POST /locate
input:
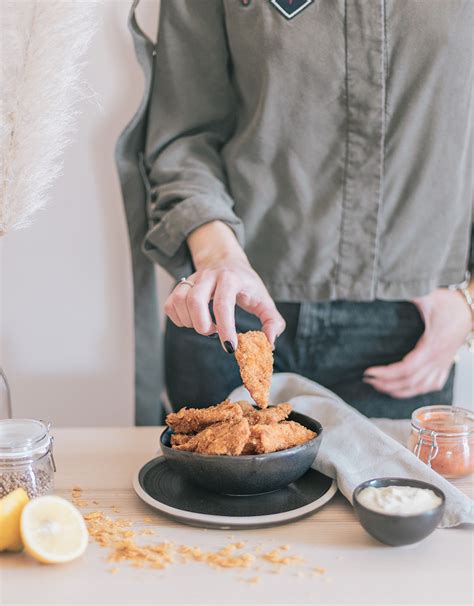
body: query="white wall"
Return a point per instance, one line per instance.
(66, 311)
(66, 323)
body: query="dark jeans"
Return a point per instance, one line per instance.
(331, 343)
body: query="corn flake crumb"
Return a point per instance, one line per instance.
(94, 515)
(275, 557)
(253, 580)
(223, 558)
(119, 538)
(122, 522)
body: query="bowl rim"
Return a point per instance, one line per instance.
(267, 455)
(395, 481)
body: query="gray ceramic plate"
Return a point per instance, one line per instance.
(168, 492)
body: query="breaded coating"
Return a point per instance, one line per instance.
(180, 438)
(192, 420)
(219, 439)
(255, 358)
(247, 407)
(278, 436)
(272, 414)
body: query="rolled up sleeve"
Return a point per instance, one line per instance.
(191, 116)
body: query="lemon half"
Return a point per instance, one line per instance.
(53, 530)
(11, 507)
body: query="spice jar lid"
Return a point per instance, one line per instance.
(447, 421)
(20, 437)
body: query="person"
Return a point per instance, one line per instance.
(309, 170)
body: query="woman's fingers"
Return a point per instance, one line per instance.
(197, 303)
(427, 381)
(273, 323)
(171, 313)
(426, 368)
(170, 310)
(189, 305)
(411, 363)
(415, 374)
(433, 381)
(399, 383)
(179, 296)
(265, 309)
(224, 311)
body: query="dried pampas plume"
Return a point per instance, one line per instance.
(43, 43)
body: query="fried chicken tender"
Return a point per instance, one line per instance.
(272, 414)
(180, 438)
(219, 439)
(192, 420)
(255, 358)
(278, 436)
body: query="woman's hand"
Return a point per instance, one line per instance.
(224, 276)
(448, 321)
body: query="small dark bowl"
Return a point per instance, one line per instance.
(394, 529)
(247, 474)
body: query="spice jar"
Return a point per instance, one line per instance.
(26, 457)
(443, 438)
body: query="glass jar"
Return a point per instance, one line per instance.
(443, 438)
(26, 457)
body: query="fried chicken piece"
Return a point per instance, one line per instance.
(247, 407)
(180, 438)
(219, 439)
(192, 420)
(278, 436)
(272, 414)
(255, 358)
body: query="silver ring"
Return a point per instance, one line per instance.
(186, 281)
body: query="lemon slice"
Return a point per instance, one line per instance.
(10, 512)
(53, 530)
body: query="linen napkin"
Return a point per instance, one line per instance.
(353, 449)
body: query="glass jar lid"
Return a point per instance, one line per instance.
(23, 437)
(448, 421)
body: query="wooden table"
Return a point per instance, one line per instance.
(358, 570)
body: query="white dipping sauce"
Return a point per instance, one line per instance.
(399, 500)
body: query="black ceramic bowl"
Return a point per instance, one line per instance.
(394, 529)
(247, 474)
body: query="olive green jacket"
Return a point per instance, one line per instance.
(336, 142)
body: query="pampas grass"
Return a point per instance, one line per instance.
(43, 43)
